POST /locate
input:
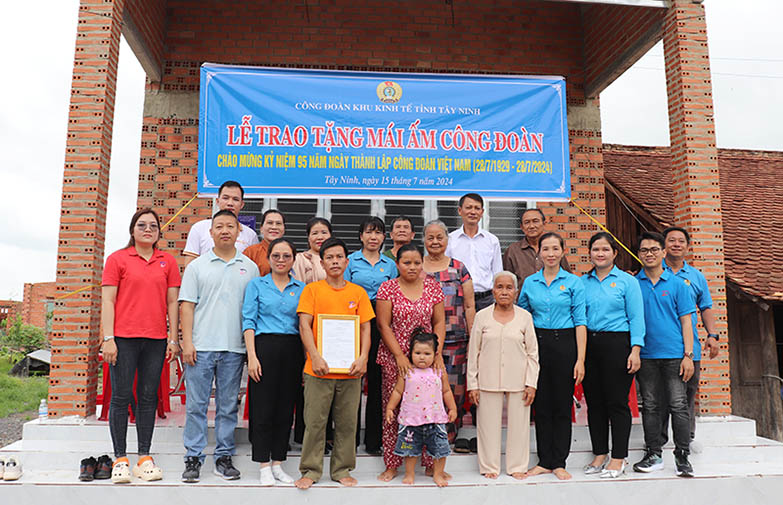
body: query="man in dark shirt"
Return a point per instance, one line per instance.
(522, 257)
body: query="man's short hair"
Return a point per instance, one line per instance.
(679, 229)
(651, 235)
(533, 209)
(472, 196)
(225, 212)
(271, 211)
(402, 217)
(232, 184)
(332, 242)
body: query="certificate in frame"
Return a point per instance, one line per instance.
(338, 340)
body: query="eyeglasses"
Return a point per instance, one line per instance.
(144, 226)
(278, 257)
(651, 250)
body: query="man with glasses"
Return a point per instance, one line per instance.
(522, 257)
(231, 198)
(667, 357)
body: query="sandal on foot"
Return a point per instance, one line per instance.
(145, 469)
(120, 471)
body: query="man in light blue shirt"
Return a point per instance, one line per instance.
(667, 357)
(677, 243)
(213, 347)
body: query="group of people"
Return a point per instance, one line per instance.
(458, 326)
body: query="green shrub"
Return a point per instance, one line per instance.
(21, 339)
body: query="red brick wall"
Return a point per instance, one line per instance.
(697, 198)
(75, 340)
(612, 31)
(34, 302)
(9, 309)
(149, 17)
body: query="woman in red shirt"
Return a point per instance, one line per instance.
(139, 290)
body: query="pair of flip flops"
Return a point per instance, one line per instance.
(465, 446)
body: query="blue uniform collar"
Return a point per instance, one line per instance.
(614, 272)
(685, 266)
(382, 259)
(665, 275)
(267, 279)
(539, 276)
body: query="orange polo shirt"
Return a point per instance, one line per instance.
(321, 298)
(257, 253)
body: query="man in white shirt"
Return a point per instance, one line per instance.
(478, 249)
(230, 197)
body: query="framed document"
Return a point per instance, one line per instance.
(338, 341)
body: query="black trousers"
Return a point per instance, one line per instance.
(555, 396)
(607, 384)
(272, 398)
(373, 415)
(144, 356)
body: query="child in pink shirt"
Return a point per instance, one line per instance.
(422, 419)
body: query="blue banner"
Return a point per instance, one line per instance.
(288, 132)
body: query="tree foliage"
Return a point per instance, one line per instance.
(22, 338)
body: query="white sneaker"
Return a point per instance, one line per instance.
(279, 473)
(12, 470)
(267, 479)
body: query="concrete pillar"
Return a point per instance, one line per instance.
(76, 325)
(697, 205)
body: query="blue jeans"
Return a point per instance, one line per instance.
(411, 440)
(661, 387)
(225, 368)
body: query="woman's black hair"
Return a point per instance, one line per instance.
(371, 223)
(422, 336)
(317, 220)
(281, 240)
(409, 247)
(135, 218)
(605, 236)
(551, 234)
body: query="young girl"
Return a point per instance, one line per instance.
(422, 418)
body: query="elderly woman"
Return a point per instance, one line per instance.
(503, 361)
(459, 308)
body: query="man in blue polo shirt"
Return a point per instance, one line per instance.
(213, 348)
(667, 357)
(677, 243)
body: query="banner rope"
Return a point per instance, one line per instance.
(604, 228)
(71, 293)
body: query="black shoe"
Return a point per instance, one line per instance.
(462, 445)
(103, 468)
(225, 468)
(683, 466)
(651, 462)
(474, 445)
(192, 471)
(87, 469)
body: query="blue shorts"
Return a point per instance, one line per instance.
(411, 440)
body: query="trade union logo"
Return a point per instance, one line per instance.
(687, 282)
(389, 92)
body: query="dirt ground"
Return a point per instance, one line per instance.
(11, 426)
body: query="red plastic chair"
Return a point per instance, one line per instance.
(164, 404)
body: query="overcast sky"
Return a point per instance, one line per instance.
(38, 49)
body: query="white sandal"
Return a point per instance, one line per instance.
(120, 472)
(145, 469)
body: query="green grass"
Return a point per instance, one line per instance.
(19, 395)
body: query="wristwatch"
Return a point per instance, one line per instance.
(688, 355)
(175, 342)
(713, 335)
(108, 337)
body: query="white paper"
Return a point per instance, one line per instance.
(338, 342)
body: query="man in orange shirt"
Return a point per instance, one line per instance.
(325, 391)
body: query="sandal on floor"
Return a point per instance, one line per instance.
(120, 471)
(145, 469)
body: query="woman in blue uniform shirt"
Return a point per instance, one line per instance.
(615, 329)
(556, 299)
(274, 359)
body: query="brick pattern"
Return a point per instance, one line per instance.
(611, 31)
(9, 309)
(75, 338)
(149, 16)
(34, 302)
(695, 175)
